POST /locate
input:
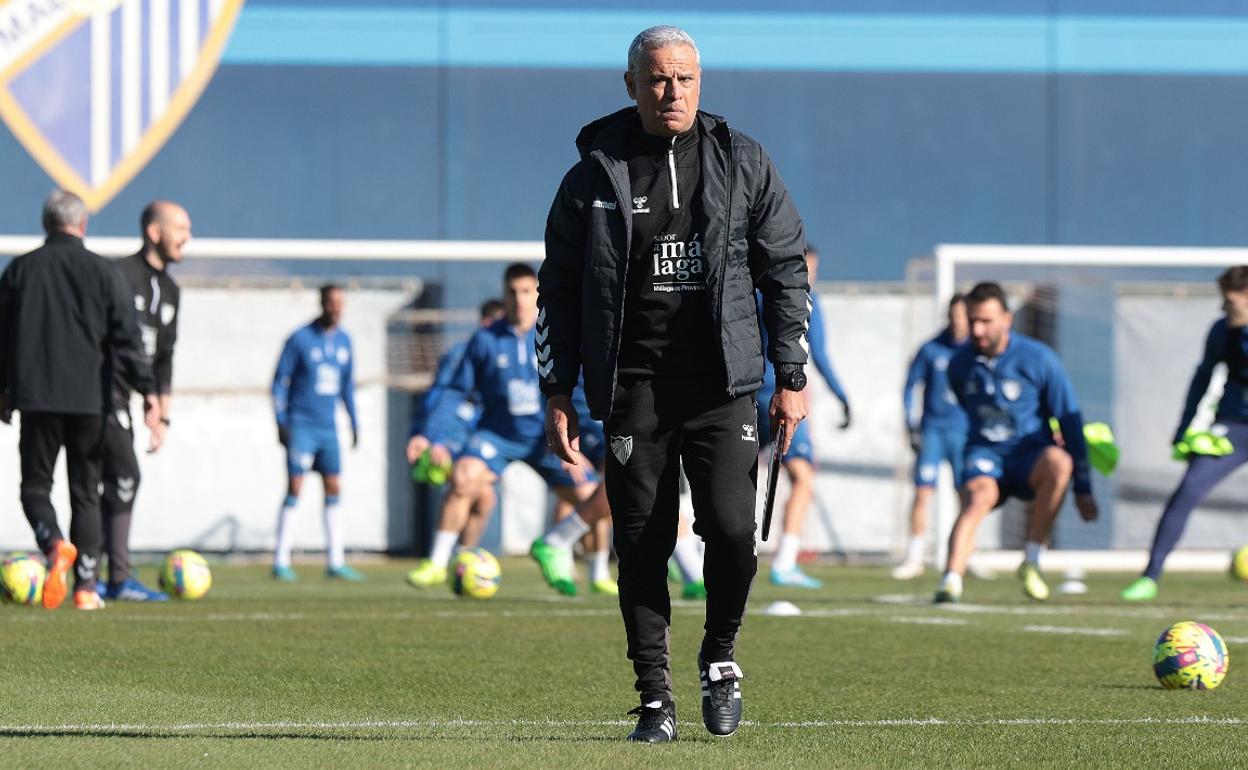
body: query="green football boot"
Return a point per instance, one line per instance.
(556, 566)
(1142, 589)
(1033, 582)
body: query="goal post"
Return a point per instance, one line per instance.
(1129, 323)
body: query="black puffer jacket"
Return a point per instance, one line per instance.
(753, 236)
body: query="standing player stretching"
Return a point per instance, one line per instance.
(938, 433)
(1227, 342)
(1010, 385)
(313, 374)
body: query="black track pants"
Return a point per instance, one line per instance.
(43, 435)
(655, 425)
(121, 484)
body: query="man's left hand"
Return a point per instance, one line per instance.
(788, 408)
(1087, 507)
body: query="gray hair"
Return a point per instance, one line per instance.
(659, 37)
(63, 209)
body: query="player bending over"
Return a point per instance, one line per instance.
(500, 368)
(1227, 342)
(1010, 385)
(938, 433)
(313, 374)
(444, 443)
(799, 461)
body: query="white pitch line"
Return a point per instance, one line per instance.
(924, 620)
(436, 724)
(1075, 630)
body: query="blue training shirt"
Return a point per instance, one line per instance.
(313, 373)
(1222, 345)
(466, 415)
(940, 404)
(500, 368)
(1009, 400)
(817, 339)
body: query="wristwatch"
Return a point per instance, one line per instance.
(791, 376)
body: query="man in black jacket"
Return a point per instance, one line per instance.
(655, 243)
(66, 322)
(166, 229)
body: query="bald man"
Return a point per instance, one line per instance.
(166, 229)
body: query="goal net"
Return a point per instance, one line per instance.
(1129, 324)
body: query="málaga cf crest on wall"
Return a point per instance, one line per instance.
(93, 88)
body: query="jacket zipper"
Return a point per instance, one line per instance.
(671, 168)
(724, 276)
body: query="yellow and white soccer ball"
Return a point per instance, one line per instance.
(475, 573)
(1190, 655)
(185, 575)
(21, 578)
(1239, 563)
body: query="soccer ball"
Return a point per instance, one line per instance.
(185, 575)
(21, 579)
(1190, 655)
(476, 574)
(1239, 563)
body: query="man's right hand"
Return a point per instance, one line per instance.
(416, 446)
(152, 414)
(563, 434)
(283, 435)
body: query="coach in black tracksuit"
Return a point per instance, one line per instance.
(65, 320)
(655, 244)
(166, 228)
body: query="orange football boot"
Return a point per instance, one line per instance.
(60, 562)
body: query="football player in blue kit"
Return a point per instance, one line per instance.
(1010, 385)
(937, 433)
(1226, 342)
(799, 461)
(444, 442)
(500, 368)
(313, 374)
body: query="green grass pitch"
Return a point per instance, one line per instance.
(261, 674)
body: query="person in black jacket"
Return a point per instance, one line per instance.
(655, 244)
(65, 324)
(166, 229)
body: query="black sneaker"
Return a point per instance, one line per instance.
(655, 724)
(721, 696)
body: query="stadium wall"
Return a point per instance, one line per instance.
(897, 124)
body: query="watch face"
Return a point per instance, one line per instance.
(797, 380)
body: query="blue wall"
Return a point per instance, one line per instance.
(897, 125)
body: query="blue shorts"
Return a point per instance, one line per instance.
(313, 449)
(800, 448)
(593, 443)
(498, 452)
(939, 445)
(1011, 471)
